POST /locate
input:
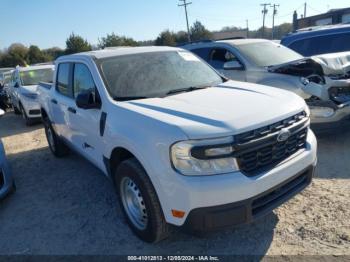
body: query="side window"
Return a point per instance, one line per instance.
(83, 81)
(219, 56)
(62, 85)
(202, 53)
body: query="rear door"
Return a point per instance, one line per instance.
(62, 98)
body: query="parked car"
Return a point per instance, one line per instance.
(183, 145)
(5, 76)
(23, 90)
(323, 81)
(4, 100)
(319, 40)
(4, 70)
(7, 184)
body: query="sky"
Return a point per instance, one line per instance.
(48, 23)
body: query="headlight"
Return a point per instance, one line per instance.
(30, 95)
(204, 157)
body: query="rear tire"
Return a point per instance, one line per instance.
(138, 196)
(57, 147)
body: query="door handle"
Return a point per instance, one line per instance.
(72, 110)
(54, 101)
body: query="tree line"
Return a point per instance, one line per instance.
(19, 54)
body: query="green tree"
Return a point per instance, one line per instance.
(115, 40)
(166, 38)
(35, 55)
(181, 37)
(76, 44)
(199, 32)
(15, 55)
(54, 52)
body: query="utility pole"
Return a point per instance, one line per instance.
(264, 12)
(305, 10)
(273, 18)
(247, 23)
(185, 4)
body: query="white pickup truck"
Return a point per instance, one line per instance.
(184, 146)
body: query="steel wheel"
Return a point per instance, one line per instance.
(133, 203)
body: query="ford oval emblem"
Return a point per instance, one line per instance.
(283, 135)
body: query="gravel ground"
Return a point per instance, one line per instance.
(66, 206)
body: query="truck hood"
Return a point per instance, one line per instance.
(336, 64)
(227, 109)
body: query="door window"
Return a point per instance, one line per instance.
(83, 81)
(219, 56)
(62, 85)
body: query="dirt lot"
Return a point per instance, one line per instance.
(66, 206)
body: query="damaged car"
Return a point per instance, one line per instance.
(323, 81)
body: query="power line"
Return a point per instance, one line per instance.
(185, 4)
(264, 12)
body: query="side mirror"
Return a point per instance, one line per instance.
(16, 85)
(2, 112)
(233, 65)
(87, 100)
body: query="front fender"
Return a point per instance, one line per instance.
(289, 83)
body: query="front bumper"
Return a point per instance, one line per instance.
(189, 194)
(246, 211)
(31, 107)
(340, 117)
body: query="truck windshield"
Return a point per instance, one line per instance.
(155, 74)
(33, 77)
(268, 53)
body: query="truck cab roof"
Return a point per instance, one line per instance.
(119, 51)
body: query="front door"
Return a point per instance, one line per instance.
(217, 59)
(84, 124)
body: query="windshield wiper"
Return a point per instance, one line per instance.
(186, 89)
(126, 98)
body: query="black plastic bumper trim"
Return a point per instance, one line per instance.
(246, 211)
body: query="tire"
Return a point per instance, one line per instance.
(16, 110)
(130, 174)
(27, 120)
(57, 147)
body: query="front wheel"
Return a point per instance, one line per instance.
(139, 202)
(57, 147)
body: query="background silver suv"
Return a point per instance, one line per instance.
(320, 80)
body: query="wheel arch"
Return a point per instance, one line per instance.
(117, 156)
(44, 114)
